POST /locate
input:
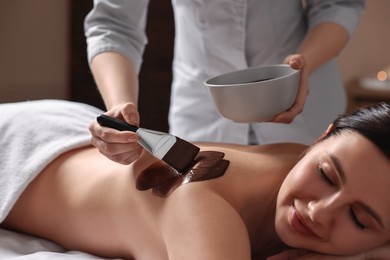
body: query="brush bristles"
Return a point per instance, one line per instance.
(181, 155)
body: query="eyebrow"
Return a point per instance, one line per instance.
(337, 164)
(340, 171)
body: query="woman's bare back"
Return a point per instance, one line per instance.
(86, 202)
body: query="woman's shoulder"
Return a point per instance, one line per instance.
(278, 149)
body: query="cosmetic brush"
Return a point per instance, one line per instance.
(176, 152)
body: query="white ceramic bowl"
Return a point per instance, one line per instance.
(255, 94)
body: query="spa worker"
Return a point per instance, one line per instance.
(214, 37)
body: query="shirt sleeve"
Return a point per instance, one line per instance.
(346, 13)
(119, 26)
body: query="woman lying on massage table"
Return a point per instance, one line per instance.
(331, 198)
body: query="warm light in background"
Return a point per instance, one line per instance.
(382, 75)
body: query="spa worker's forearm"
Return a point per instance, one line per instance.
(116, 78)
(322, 43)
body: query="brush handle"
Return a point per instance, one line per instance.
(115, 123)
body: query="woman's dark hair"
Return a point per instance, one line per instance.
(373, 122)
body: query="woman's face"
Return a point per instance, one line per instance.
(336, 200)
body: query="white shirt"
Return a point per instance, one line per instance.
(218, 36)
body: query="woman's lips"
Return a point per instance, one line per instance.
(299, 225)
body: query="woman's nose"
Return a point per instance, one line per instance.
(322, 211)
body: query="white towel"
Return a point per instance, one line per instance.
(32, 134)
(17, 246)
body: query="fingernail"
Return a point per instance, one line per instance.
(133, 120)
(296, 63)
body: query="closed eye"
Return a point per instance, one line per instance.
(325, 176)
(355, 220)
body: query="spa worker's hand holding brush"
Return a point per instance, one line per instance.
(176, 152)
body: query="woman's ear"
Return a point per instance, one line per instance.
(330, 128)
(325, 134)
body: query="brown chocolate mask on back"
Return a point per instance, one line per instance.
(163, 179)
